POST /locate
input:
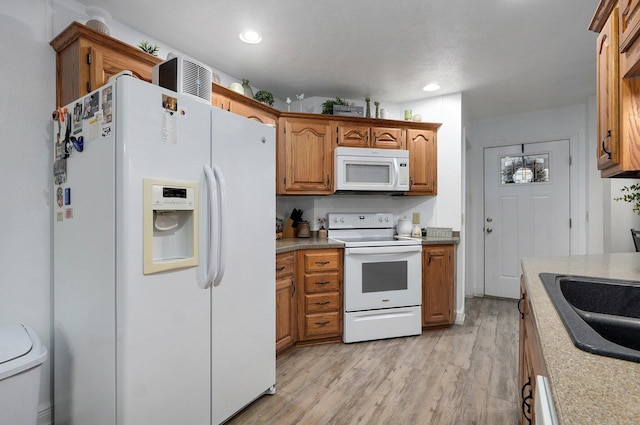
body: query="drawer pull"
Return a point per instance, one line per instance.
(520, 311)
(526, 401)
(323, 303)
(322, 263)
(323, 282)
(323, 323)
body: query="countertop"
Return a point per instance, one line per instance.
(586, 388)
(294, 244)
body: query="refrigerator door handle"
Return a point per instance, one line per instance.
(222, 220)
(212, 197)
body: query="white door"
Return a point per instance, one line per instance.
(527, 210)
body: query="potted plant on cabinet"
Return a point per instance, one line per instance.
(264, 96)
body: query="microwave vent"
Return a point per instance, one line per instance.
(184, 76)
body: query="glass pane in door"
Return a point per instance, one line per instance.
(524, 169)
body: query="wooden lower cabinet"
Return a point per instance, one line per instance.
(531, 363)
(320, 295)
(286, 302)
(438, 285)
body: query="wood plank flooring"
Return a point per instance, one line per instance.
(462, 375)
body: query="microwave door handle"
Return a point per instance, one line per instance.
(396, 172)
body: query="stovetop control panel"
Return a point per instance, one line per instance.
(360, 220)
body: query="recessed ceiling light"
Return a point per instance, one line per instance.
(250, 37)
(431, 87)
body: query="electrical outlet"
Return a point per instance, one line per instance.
(416, 218)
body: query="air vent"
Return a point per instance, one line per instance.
(184, 76)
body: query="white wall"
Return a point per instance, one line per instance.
(558, 124)
(28, 98)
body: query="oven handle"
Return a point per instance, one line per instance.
(373, 250)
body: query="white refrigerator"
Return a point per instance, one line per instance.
(164, 277)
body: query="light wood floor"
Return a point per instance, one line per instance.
(462, 375)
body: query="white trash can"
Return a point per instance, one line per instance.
(21, 358)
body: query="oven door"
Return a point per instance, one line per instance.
(382, 277)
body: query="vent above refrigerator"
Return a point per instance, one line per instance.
(184, 76)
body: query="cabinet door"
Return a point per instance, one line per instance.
(285, 313)
(386, 138)
(629, 29)
(356, 136)
(252, 113)
(438, 285)
(423, 161)
(105, 63)
(220, 101)
(526, 376)
(87, 58)
(608, 148)
(305, 163)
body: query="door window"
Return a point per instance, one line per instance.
(524, 169)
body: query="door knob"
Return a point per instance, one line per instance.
(489, 230)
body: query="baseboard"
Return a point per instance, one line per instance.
(460, 316)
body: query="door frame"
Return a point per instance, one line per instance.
(577, 191)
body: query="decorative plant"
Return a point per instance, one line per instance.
(264, 97)
(147, 47)
(631, 194)
(327, 105)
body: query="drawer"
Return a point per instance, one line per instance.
(284, 264)
(321, 260)
(322, 302)
(323, 324)
(321, 282)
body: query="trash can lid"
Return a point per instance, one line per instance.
(14, 342)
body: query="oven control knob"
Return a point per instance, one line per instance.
(380, 219)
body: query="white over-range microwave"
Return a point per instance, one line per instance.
(377, 170)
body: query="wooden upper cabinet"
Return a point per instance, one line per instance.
(386, 138)
(423, 162)
(86, 59)
(305, 162)
(629, 43)
(221, 101)
(252, 113)
(352, 135)
(618, 88)
(608, 149)
(229, 100)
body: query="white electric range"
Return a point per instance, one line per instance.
(382, 277)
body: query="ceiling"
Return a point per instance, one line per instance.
(505, 56)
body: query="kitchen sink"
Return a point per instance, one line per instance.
(601, 315)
